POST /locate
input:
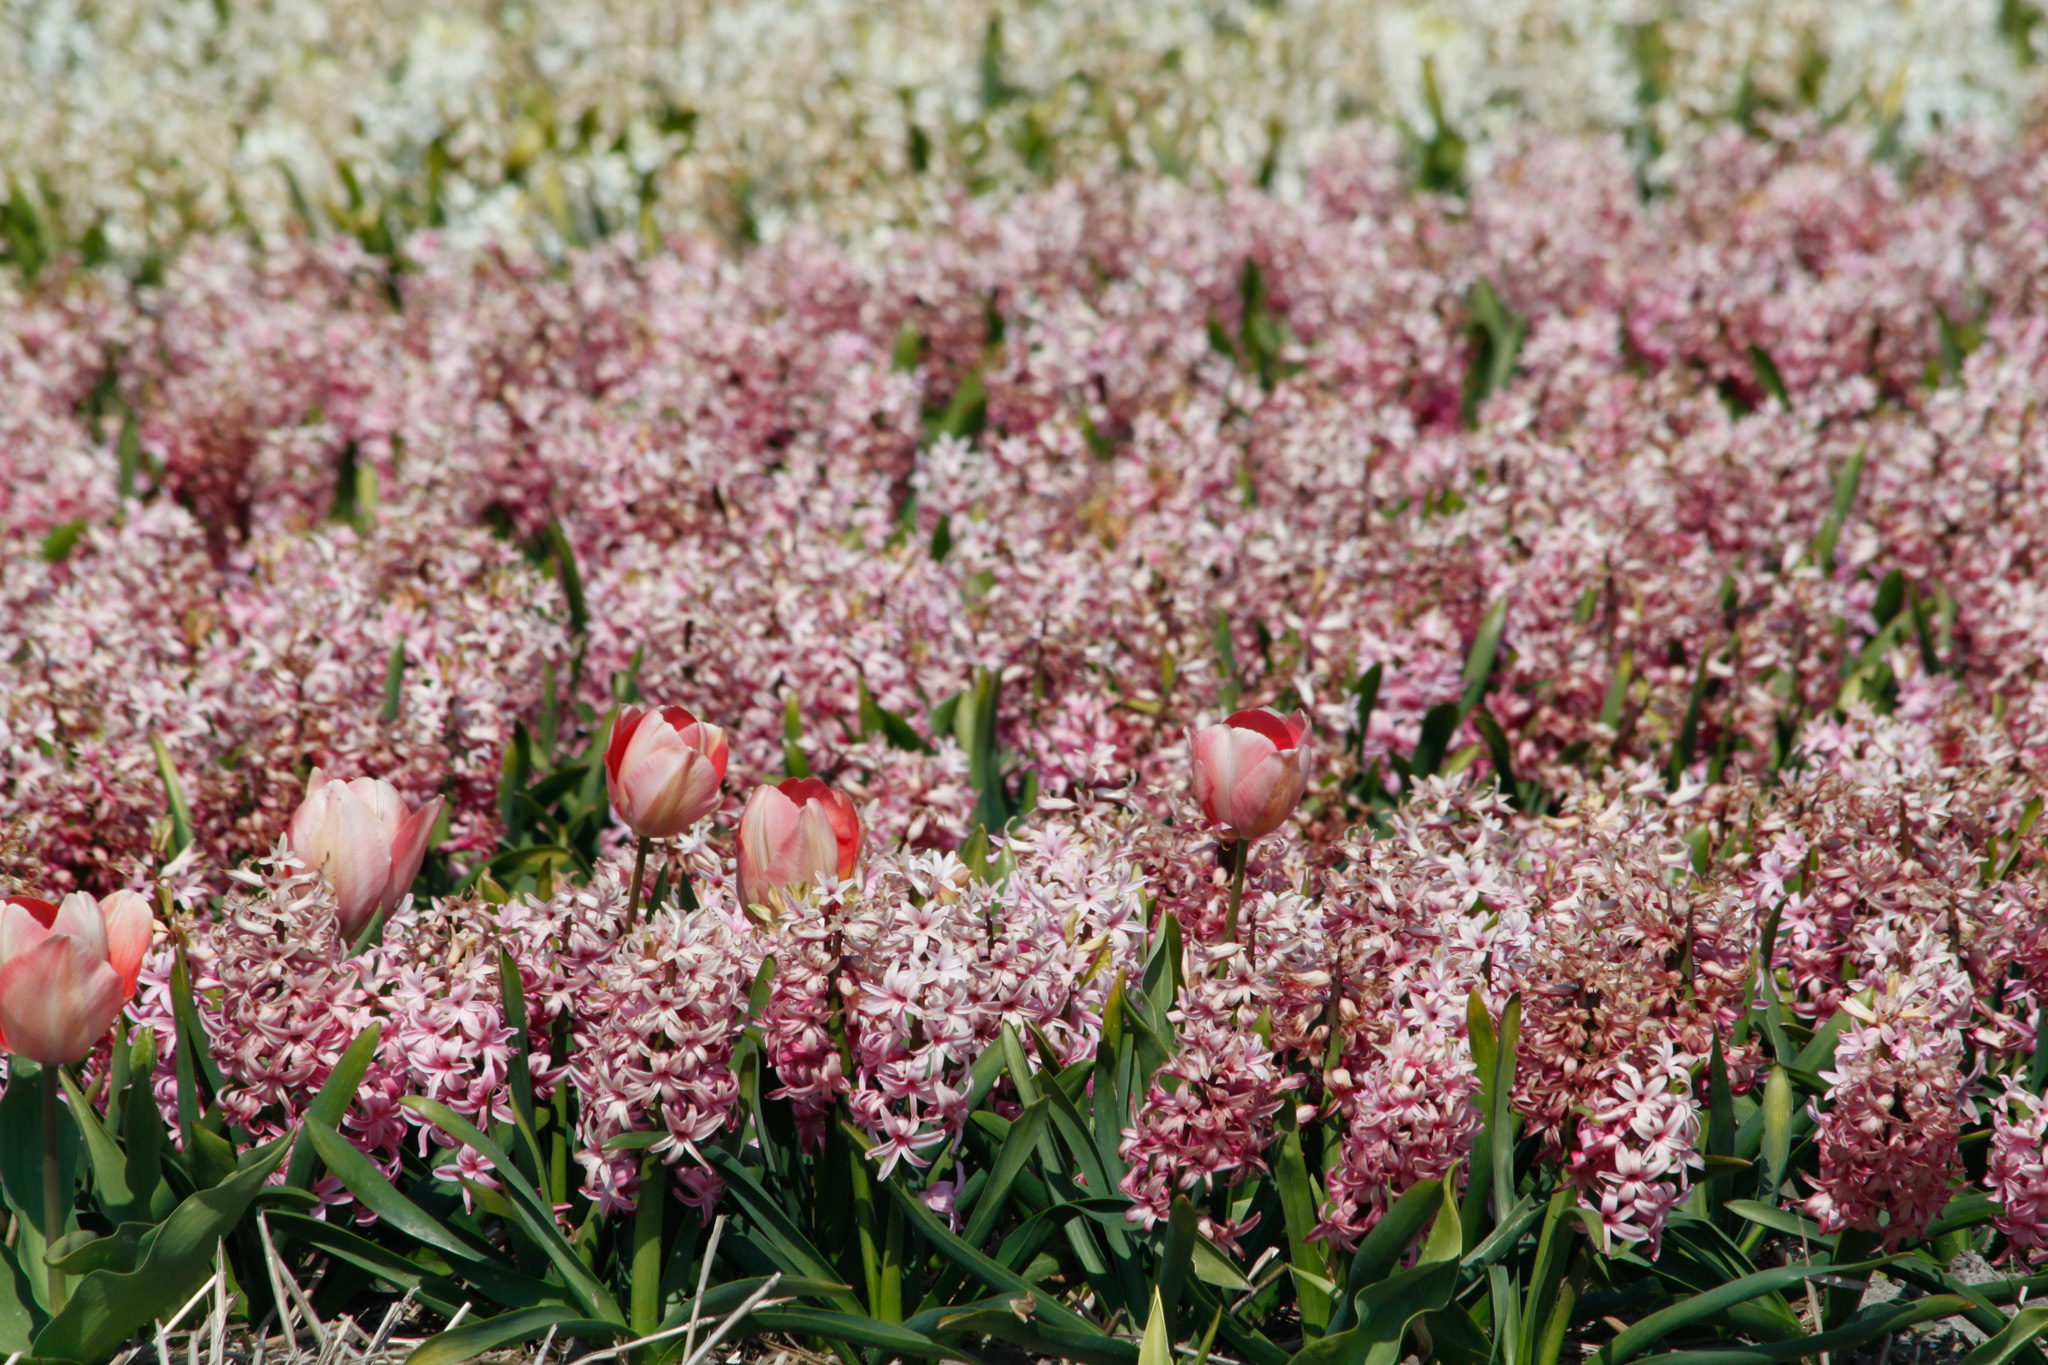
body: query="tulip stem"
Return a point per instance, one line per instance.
(55, 1205)
(1238, 857)
(639, 873)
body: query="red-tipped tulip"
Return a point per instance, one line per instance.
(793, 833)
(1251, 770)
(362, 837)
(662, 769)
(67, 971)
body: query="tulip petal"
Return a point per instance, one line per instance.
(1265, 721)
(129, 927)
(24, 922)
(409, 850)
(356, 858)
(308, 821)
(56, 1002)
(79, 917)
(382, 800)
(622, 735)
(814, 852)
(768, 813)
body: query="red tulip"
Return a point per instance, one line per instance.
(362, 837)
(1251, 770)
(793, 833)
(662, 769)
(67, 971)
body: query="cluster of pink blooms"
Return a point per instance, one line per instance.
(1890, 1133)
(1763, 490)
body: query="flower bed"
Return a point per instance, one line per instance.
(1637, 879)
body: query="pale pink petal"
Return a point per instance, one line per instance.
(79, 916)
(409, 850)
(22, 926)
(129, 926)
(356, 858)
(57, 1002)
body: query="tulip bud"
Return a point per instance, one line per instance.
(662, 769)
(363, 839)
(1251, 770)
(792, 834)
(67, 971)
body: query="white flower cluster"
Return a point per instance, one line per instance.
(127, 124)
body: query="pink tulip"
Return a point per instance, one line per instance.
(362, 837)
(67, 971)
(662, 769)
(792, 834)
(1251, 770)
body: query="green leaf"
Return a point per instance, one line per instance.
(1384, 1311)
(967, 412)
(1368, 690)
(1438, 725)
(109, 1165)
(1016, 1150)
(83, 1252)
(1873, 1322)
(62, 540)
(174, 796)
(17, 1308)
(361, 1178)
(777, 1232)
(1695, 1308)
(2026, 1324)
(876, 722)
(1157, 1346)
(1039, 1337)
(1498, 749)
(535, 1215)
(21, 1150)
(1226, 662)
(572, 581)
(858, 1328)
(107, 1307)
(1382, 1248)
(1176, 1255)
(1767, 377)
(793, 760)
(394, 681)
(333, 1101)
(1500, 1123)
(1298, 1206)
(1683, 748)
(1838, 511)
(473, 1339)
(1777, 1116)
(991, 1273)
(1479, 662)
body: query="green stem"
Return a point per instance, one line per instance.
(55, 1205)
(633, 896)
(558, 1134)
(1239, 855)
(864, 1228)
(891, 1307)
(647, 1244)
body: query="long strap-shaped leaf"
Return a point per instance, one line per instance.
(1627, 1344)
(333, 1100)
(780, 1237)
(535, 1215)
(989, 1272)
(1874, 1322)
(472, 1340)
(862, 1330)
